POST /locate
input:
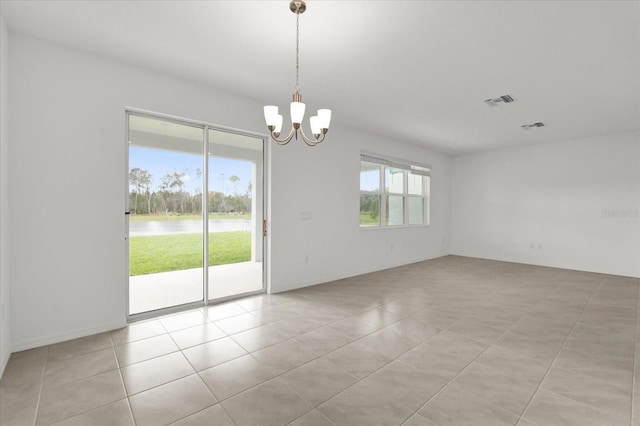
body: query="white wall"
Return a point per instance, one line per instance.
(324, 181)
(5, 308)
(67, 138)
(545, 204)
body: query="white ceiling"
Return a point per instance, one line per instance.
(416, 71)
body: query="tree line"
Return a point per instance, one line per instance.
(171, 197)
(370, 203)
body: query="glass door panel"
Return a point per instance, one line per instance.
(165, 221)
(235, 204)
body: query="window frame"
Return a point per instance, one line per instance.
(408, 169)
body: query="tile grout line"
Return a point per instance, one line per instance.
(256, 360)
(318, 357)
(218, 402)
(581, 402)
(480, 354)
(167, 333)
(126, 396)
(124, 387)
(332, 423)
(281, 374)
(635, 361)
(321, 326)
(380, 306)
(285, 372)
(196, 372)
(560, 350)
(307, 412)
(44, 370)
(489, 345)
(423, 342)
(343, 390)
(221, 406)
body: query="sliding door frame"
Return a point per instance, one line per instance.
(130, 111)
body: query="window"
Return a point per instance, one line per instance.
(393, 193)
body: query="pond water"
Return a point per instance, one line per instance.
(161, 227)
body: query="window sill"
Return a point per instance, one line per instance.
(370, 228)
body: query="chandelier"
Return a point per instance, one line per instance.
(319, 123)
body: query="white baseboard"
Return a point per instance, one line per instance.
(555, 265)
(3, 364)
(68, 335)
(337, 277)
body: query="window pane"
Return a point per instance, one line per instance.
(395, 210)
(394, 180)
(415, 184)
(369, 210)
(427, 219)
(416, 211)
(369, 176)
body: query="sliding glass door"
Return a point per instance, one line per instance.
(235, 213)
(165, 214)
(180, 173)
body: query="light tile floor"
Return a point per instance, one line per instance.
(452, 341)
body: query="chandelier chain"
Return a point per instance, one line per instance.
(297, 51)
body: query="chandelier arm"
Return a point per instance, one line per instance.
(309, 141)
(285, 140)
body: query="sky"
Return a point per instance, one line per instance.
(160, 162)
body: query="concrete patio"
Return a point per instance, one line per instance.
(156, 291)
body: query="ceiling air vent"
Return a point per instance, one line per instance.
(504, 99)
(531, 126)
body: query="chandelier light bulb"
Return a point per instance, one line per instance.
(297, 112)
(270, 115)
(314, 122)
(324, 118)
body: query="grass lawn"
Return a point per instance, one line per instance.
(159, 217)
(173, 252)
(366, 219)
